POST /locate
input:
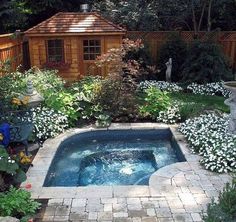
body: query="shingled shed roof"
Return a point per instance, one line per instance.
(75, 23)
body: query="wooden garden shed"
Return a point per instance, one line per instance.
(70, 42)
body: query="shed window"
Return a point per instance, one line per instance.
(55, 49)
(92, 49)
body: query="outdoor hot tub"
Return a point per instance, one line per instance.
(112, 157)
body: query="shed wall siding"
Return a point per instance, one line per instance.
(73, 53)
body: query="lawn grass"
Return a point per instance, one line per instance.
(192, 105)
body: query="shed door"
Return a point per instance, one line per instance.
(91, 47)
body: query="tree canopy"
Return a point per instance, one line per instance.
(146, 15)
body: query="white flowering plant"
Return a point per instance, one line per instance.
(214, 88)
(211, 89)
(48, 122)
(162, 85)
(171, 115)
(208, 136)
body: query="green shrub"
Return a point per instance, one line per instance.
(176, 49)
(103, 120)
(9, 170)
(44, 80)
(17, 203)
(85, 92)
(225, 209)
(64, 102)
(154, 101)
(205, 63)
(117, 94)
(12, 85)
(117, 99)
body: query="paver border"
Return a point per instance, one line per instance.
(41, 163)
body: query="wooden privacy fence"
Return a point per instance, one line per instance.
(154, 40)
(11, 55)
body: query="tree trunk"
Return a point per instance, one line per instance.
(194, 19)
(209, 16)
(202, 13)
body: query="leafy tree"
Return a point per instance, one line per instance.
(117, 93)
(134, 14)
(147, 15)
(22, 14)
(224, 16)
(13, 15)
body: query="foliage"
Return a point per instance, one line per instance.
(171, 115)
(148, 15)
(17, 203)
(22, 14)
(154, 102)
(56, 95)
(12, 15)
(162, 85)
(143, 57)
(48, 122)
(45, 80)
(5, 66)
(208, 136)
(214, 88)
(192, 105)
(85, 92)
(117, 94)
(12, 85)
(134, 14)
(176, 49)
(225, 209)
(63, 102)
(9, 168)
(224, 15)
(117, 99)
(103, 120)
(205, 63)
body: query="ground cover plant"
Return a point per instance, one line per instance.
(48, 123)
(18, 203)
(189, 101)
(10, 170)
(162, 85)
(215, 88)
(208, 136)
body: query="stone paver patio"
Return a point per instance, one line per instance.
(178, 192)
